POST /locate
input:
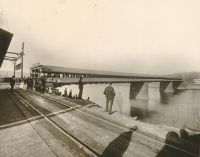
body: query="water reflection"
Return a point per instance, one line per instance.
(139, 108)
(143, 108)
(164, 98)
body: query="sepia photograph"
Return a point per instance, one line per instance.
(99, 78)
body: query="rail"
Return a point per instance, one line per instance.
(157, 139)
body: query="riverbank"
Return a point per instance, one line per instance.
(155, 131)
(160, 114)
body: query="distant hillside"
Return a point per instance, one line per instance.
(188, 79)
(188, 76)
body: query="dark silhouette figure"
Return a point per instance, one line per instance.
(28, 83)
(194, 140)
(65, 93)
(25, 81)
(119, 145)
(177, 146)
(12, 83)
(109, 92)
(38, 85)
(80, 85)
(31, 83)
(43, 84)
(70, 94)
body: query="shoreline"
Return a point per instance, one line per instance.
(158, 130)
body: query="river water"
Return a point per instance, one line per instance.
(180, 109)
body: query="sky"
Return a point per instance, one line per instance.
(136, 36)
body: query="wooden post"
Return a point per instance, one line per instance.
(22, 60)
(80, 83)
(14, 63)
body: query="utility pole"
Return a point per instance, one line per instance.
(22, 60)
(14, 63)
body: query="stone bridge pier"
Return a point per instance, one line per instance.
(146, 96)
(143, 90)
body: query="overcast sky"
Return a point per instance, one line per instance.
(138, 36)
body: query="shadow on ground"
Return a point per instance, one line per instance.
(180, 146)
(118, 146)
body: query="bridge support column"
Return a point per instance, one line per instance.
(169, 86)
(154, 95)
(176, 84)
(165, 86)
(154, 90)
(139, 97)
(138, 90)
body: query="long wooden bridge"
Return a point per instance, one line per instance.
(139, 83)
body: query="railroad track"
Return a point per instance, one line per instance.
(76, 108)
(57, 126)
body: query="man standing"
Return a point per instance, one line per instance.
(28, 83)
(109, 92)
(31, 83)
(12, 83)
(43, 84)
(70, 94)
(65, 92)
(80, 85)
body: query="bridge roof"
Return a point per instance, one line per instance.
(68, 70)
(5, 39)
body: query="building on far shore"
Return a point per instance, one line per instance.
(197, 81)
